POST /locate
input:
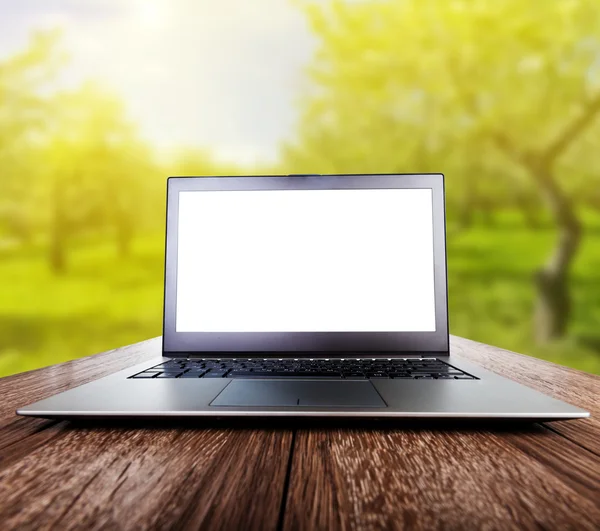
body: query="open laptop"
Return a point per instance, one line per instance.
(313, 295)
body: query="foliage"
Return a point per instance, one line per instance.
(500, 95)
(415, 81)
(459, 87)
(101, 303)
(104, 303)
(23, 115)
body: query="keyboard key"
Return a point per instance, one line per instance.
(352, 368)
(193, 374)
(291, 374)
(215, 374)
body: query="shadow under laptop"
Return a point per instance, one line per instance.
(308, 423)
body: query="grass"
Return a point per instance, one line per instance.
(105, 302)
(491, 293)
(102, 303)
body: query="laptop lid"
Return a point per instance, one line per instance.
(332, 264)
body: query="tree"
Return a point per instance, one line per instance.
(98, 171)
(405, 83)
(23, 117)
(70, 162)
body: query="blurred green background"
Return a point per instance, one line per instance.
(100, 101)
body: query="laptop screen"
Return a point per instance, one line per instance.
(350, 260)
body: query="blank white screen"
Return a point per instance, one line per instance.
(305, 261)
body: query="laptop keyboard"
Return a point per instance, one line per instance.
(349, 369)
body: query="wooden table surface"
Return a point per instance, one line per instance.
(299, 476)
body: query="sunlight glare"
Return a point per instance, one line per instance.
(150, 14)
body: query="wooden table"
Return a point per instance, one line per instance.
(319, 476)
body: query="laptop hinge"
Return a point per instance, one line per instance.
(304, 355)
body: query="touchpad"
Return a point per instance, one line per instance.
(294, 393)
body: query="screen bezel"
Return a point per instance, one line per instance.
(331, 344)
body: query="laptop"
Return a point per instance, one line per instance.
(305, 296)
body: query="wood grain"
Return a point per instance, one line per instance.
(423, 479)
(543, 476)
(151, 478)
(25, 388)
(55, 475)
(58, 475)
(578, 388)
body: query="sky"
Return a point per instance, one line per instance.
(217, 74)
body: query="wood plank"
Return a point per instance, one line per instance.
(423, 479)
(27, 387)
(577, 467)
(575, 387)
(151, 478)
(54, 474)
(24, 388)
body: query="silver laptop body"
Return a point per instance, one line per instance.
(305, 295)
